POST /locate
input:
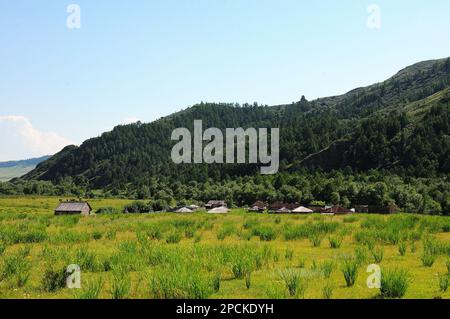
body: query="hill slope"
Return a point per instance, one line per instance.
(13, 169)
(401, 124)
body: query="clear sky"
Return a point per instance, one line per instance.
(146, 59)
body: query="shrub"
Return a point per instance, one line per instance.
(106, 211)
(394, 283)
(335, 242)
(444, 281)
(173, 238)
(54, 279)
(428, 259)
(402, 248)
(377, 254)
(97, 235)
(350, 271)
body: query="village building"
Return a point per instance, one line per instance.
(258, 207)
(302, 210)
(215, 203)
(219, 210)
(337, 210)
(73, 208)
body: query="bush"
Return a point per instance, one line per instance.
(106, 211)
(394, 283)
(350, 271)
(54, 279)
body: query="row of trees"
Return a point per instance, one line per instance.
(376, 187)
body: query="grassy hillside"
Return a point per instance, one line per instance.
(14, 169)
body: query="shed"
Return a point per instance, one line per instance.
(302, 210)
(184, 210)
(258, 207)
(219, 210)
(73, 208)
(215, 203)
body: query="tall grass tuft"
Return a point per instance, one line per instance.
(444, 282)
(327, 291)
(289, 254)
(349, 269)
(394, 283)
(428, 259)
(327, 269)
(447, 263)
(377, 254)
(92, 290)
(316, 239)
(291, 279)
(335, 242)
(120, 284)
(402, 247)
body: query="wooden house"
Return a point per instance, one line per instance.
(73, 208)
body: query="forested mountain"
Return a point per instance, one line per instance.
(401, 125)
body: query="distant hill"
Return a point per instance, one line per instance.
(402, 124)
(13, 169)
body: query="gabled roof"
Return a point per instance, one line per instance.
(302, 209)
(72, 206)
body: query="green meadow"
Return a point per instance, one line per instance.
(238, 255)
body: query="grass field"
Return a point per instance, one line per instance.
(239, 255)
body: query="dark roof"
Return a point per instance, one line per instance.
(216, 202)
(279, 205)
(259, 204)
(72, 206)
(338, 210)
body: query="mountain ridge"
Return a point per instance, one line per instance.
(398, 108)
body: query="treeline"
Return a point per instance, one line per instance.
(345, 187)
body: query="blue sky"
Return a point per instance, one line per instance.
(146, 59)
